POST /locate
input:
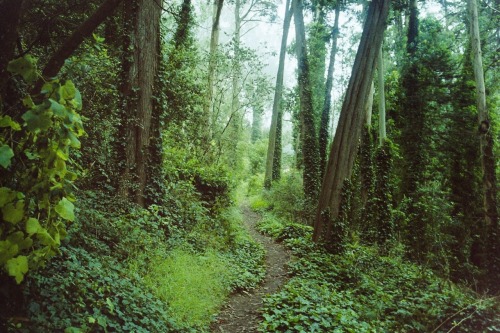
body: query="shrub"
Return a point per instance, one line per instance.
(288, 197)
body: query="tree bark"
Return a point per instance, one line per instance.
(212, 61)
(486, 146)
(144, 20)
(278, 92)
(310, 150)
(382, 135)
(325, 115)
(10, 13)
(345, 144)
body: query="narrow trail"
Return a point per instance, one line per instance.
(242, 312)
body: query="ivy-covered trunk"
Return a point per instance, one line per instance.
(143, 24)
(345, 143)
(488, 162)
(310, 150)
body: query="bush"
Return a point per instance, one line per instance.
(288, 197)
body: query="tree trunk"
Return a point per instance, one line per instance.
(10, 13)
(382, 135)
(486, 147)
(345, 143)
(325, 115)
(212, 62)
(310, 150)
(234, 123)
(278, 92)
(256, 124)
(278, 148)
(144, 25)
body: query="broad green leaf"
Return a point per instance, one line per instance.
(30, 155)
(6, 155)
(6, 196)
(28, 102)
(25, 66)
(33, 226)
(74, 142)
(46, 239)
(77, 101)
(17, 267)
(62, 154)
(65, 209)
(37, 122)
(6, 121)
(8, 250)
(58, 110)
(68, 90)
(13, 213)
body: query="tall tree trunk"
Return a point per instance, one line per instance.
(256, 124)
(382, 135)
(345, 143)
(278, 148)
(236, 117)
(327, 104)
(278, 92)
(144, 21)
(212, 62)
(310, 150)
(486, 147)
(10, 13)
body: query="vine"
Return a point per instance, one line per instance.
(36, 198)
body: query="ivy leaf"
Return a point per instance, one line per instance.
(33, 226)
(25, 66)
(8, 250)
(13, 213)
(65, 209)
(17, 267)
(6, 154)
(74, 142)
(68, 90)
(77, 101)
(6, 121)
(58, 110)
(6, 196)
(37, 122)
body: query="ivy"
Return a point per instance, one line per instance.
(35, 196)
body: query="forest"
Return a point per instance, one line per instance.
(249, 166)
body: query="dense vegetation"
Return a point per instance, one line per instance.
(132, 131)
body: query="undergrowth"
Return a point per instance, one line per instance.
(363, 290)
(122, 268)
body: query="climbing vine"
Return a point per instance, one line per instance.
(37, 170)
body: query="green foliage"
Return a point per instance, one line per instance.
(193, 285)
(80, 290)
(363, 291)
(37, 175)
(288, 197)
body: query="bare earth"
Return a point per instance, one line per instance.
(242, 312)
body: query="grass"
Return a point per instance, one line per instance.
(194, 285)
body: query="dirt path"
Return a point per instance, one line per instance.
(242, 313)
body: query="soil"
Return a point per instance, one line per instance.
(242, 313)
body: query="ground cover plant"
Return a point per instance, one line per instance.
(363, 290)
